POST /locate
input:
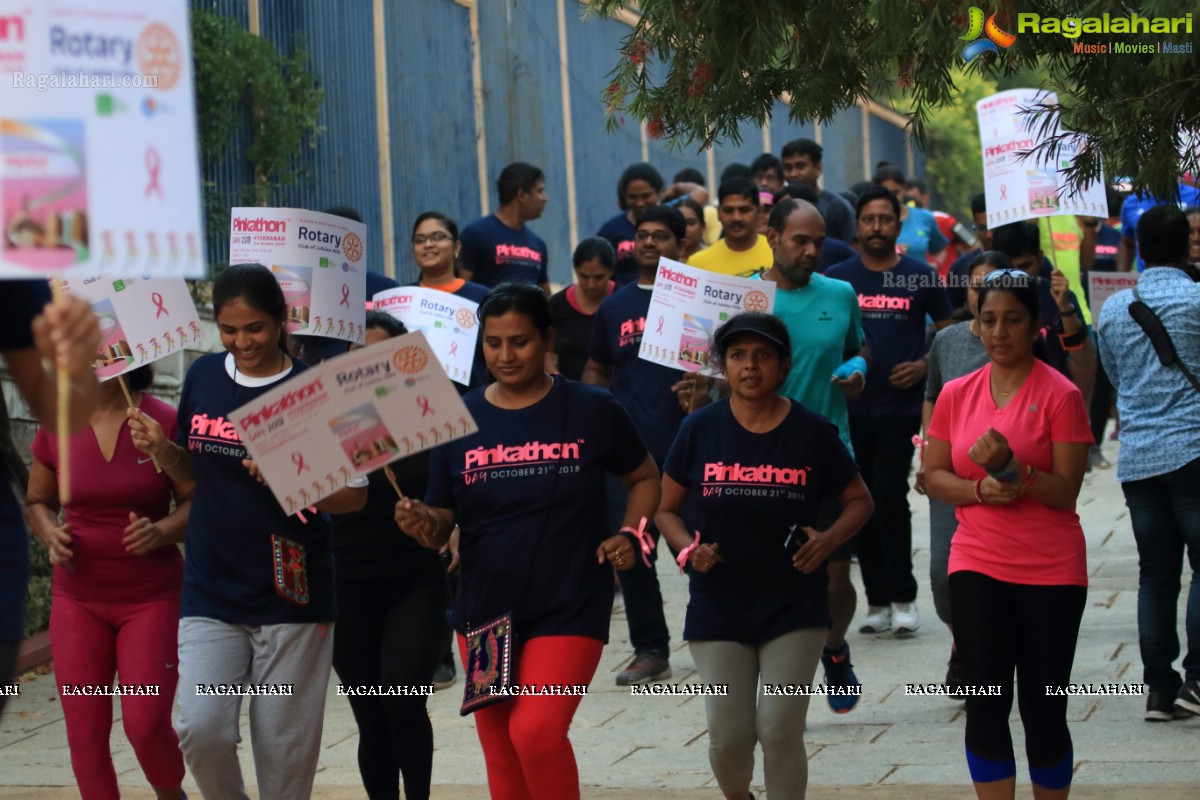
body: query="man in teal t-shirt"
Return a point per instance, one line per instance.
(824, 325)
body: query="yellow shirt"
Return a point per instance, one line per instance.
(719, 258)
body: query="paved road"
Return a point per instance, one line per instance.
(893, 746)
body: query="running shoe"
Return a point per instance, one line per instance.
(1189, 697)
(879, 620)
(645, 668)
(839, 672)
(1162, 706)
(905, 621)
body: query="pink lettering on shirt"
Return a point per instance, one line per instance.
(883, 302)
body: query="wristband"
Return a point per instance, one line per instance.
(686, 552)
(978, 496)
(1074, 341)
(857, 364)
(644, 542)
(1009, 473)
(1028, 473)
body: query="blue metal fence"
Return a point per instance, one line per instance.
(431, 116)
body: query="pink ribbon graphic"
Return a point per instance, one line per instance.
(660, 326)
(686, 552)
(153, 168)
(423, 402)
(1003, 192)
(345, 301)
(160, 309)
(647, 544)
(454, 348)
(298, 460)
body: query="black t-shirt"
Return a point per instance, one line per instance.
(495, 253)
(572, 333)
(528, 493)
(642, 387)
(750, 489)
(894, 304)
(367, 545)
(621, 234)
(236, 530)
(20, 302)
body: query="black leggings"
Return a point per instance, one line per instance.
(389, 635)
(1000, 626)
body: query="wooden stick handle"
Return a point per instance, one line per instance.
(62, 390)
(129, 400)
(391, 476)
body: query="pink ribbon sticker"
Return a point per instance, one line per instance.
(647, 544)
(661, 321)
(345, 301)
(159, 308)
(298, 460)
(454, 348)
(1003, 192)
(153, 168)
(423, 402)
(686, 553)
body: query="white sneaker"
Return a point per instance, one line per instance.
(905, 622)
(879, 620)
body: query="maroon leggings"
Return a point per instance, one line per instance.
(525, 744)
(93, 642)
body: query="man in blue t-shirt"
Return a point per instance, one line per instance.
(822, 318)
(499, 248)
(648, 392)
(1132, 209)
(895, 294)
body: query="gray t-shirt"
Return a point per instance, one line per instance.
(955, 352)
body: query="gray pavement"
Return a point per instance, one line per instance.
(891, 746)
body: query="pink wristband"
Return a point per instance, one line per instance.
(647, 544)
(686, 552)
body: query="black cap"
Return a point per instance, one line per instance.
(751, 322)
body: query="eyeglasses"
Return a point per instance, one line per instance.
(1007, 278)
(437, 236)
(659, 236)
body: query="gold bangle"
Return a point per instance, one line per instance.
(178, 457)
(437, 522)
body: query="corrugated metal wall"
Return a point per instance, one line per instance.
(431, 96)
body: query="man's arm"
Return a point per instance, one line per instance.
(598, 374)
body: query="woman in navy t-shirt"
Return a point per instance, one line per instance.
(257, 606)
(755, 468)
(528, 494)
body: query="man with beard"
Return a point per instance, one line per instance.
(742, 251)
(828, 369)
(895, 293)
(647, 391)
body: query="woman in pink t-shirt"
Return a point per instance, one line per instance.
(115, 591)
(1008, 445)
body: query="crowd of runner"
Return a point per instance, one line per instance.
(905, 348)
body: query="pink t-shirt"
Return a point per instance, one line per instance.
(102, 495)
(1025, 542)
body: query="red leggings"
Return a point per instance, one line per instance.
(91, 643)
(525, 744)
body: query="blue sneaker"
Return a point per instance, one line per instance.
(839, 672)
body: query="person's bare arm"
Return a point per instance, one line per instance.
(598, 374)
(41, 510)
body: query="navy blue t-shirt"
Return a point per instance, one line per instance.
(20, 302)
(834, 251)
(235, 522)
(642, 387)
(495, 253)
(528, 493)
(893, 318)
(621, 234)
(958, 276)
(749, 490)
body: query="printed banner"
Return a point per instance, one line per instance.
(1103, 285)
(348, 416)
(141, 321)
(688, 305)
(1027, 189)
(320, 261)
(99, 166)
(448, 322)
